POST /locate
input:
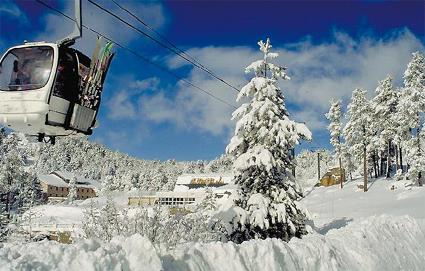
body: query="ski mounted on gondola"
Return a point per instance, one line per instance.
(51, 89)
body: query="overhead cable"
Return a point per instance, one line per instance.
(145, 59)
(173, 49)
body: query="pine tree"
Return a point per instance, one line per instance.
(72, 189)
(384, 105)
(348, 160)
(334, 116)
(4, 222)
(264, 137)
(410, 112)
(357, 132)
(11, 176)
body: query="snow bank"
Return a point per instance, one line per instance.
(134, 253)
(377, 243)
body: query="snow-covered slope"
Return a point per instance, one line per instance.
(377, 243)
(329, 206)
(382, 229)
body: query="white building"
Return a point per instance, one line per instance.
(189, 189)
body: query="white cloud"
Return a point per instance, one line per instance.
(319, 72)
(121, 105)
(146, 84)
(10, 9)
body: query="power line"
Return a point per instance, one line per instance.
(173, 48)
(157, 33)
(145, 59)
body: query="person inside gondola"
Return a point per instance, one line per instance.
(19, 77)
(65, 81)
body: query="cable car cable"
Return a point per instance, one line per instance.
(145, 59)
(162, 44)
(159, 35)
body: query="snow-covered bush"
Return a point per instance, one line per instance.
(264, 137)
(157, 223)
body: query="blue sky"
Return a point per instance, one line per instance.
(329, 47)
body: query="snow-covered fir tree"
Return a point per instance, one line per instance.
(72, 189)
(357, 131)
(264, 137)
(4, 222)
(348, 160)
(384, 105)
(334, 116)
(410, 113)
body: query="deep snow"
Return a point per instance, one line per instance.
(382, 229)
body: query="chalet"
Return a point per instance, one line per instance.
(55, 186)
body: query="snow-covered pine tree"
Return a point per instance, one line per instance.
(72, 189)
(4, 221)
(357, 131)
(11, 176)
(384, 105)
(410, 112)
(348, 160)
(334, 116)
(261, 146)
(28, 193)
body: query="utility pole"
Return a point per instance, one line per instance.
(318, 166)
(293, 158)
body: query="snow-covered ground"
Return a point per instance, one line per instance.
(333, 207)
(382, 229)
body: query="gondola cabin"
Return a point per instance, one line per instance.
(44, 89)
(51, 89)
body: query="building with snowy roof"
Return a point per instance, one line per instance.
(55, 186)
(189, 189)
(199, 182)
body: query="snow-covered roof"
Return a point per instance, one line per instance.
(205, 179)
(52, 180)
(62, 178)
(173, 194)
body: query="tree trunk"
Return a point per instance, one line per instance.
(388, 171)
(419, 151)
(341, 174)
(401, 159)
(364, 170)
(375, 164)
(396, 158)
(8, 205)
(382, 164)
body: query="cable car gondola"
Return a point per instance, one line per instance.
(51, 89)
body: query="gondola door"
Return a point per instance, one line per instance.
(64, 91)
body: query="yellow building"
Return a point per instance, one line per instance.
(332, 177)
(55, 186)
